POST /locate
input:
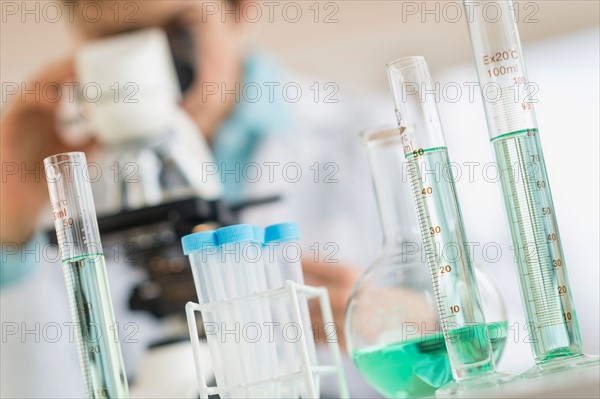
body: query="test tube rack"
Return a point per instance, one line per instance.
(307, 374)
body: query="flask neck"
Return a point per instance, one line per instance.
(392, 190)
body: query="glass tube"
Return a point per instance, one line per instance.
(442, 230)
(243, 273)
(85, 275)
(282, 252)
(201, 249)
(541, 263)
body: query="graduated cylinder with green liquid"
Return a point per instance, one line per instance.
(442, 230)
(541, 263)
(96, 331)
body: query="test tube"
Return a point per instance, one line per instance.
(287, 351)
(284, 253)
(254, 258)
(442, 230)
(201, 249)
(84, 269)
(530, 211)
(243, 273)
(283, 239)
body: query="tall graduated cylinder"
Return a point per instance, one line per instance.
(508, 98)
(84, 269)
(440, 221)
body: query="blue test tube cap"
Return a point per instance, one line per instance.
(198, 241)
(282, 232)
(235, 233)
(259, 234)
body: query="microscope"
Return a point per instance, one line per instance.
(153, 178)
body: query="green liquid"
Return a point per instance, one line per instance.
(418, 367)
(450, 264)
(95, 328)
(541, 264)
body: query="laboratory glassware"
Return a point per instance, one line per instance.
(305, 377)
(508, 98)
(392, 326)
(442, 230)
(202, 249)
(96, 330)
(283, 253)
(233, 291)
(244, 274)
